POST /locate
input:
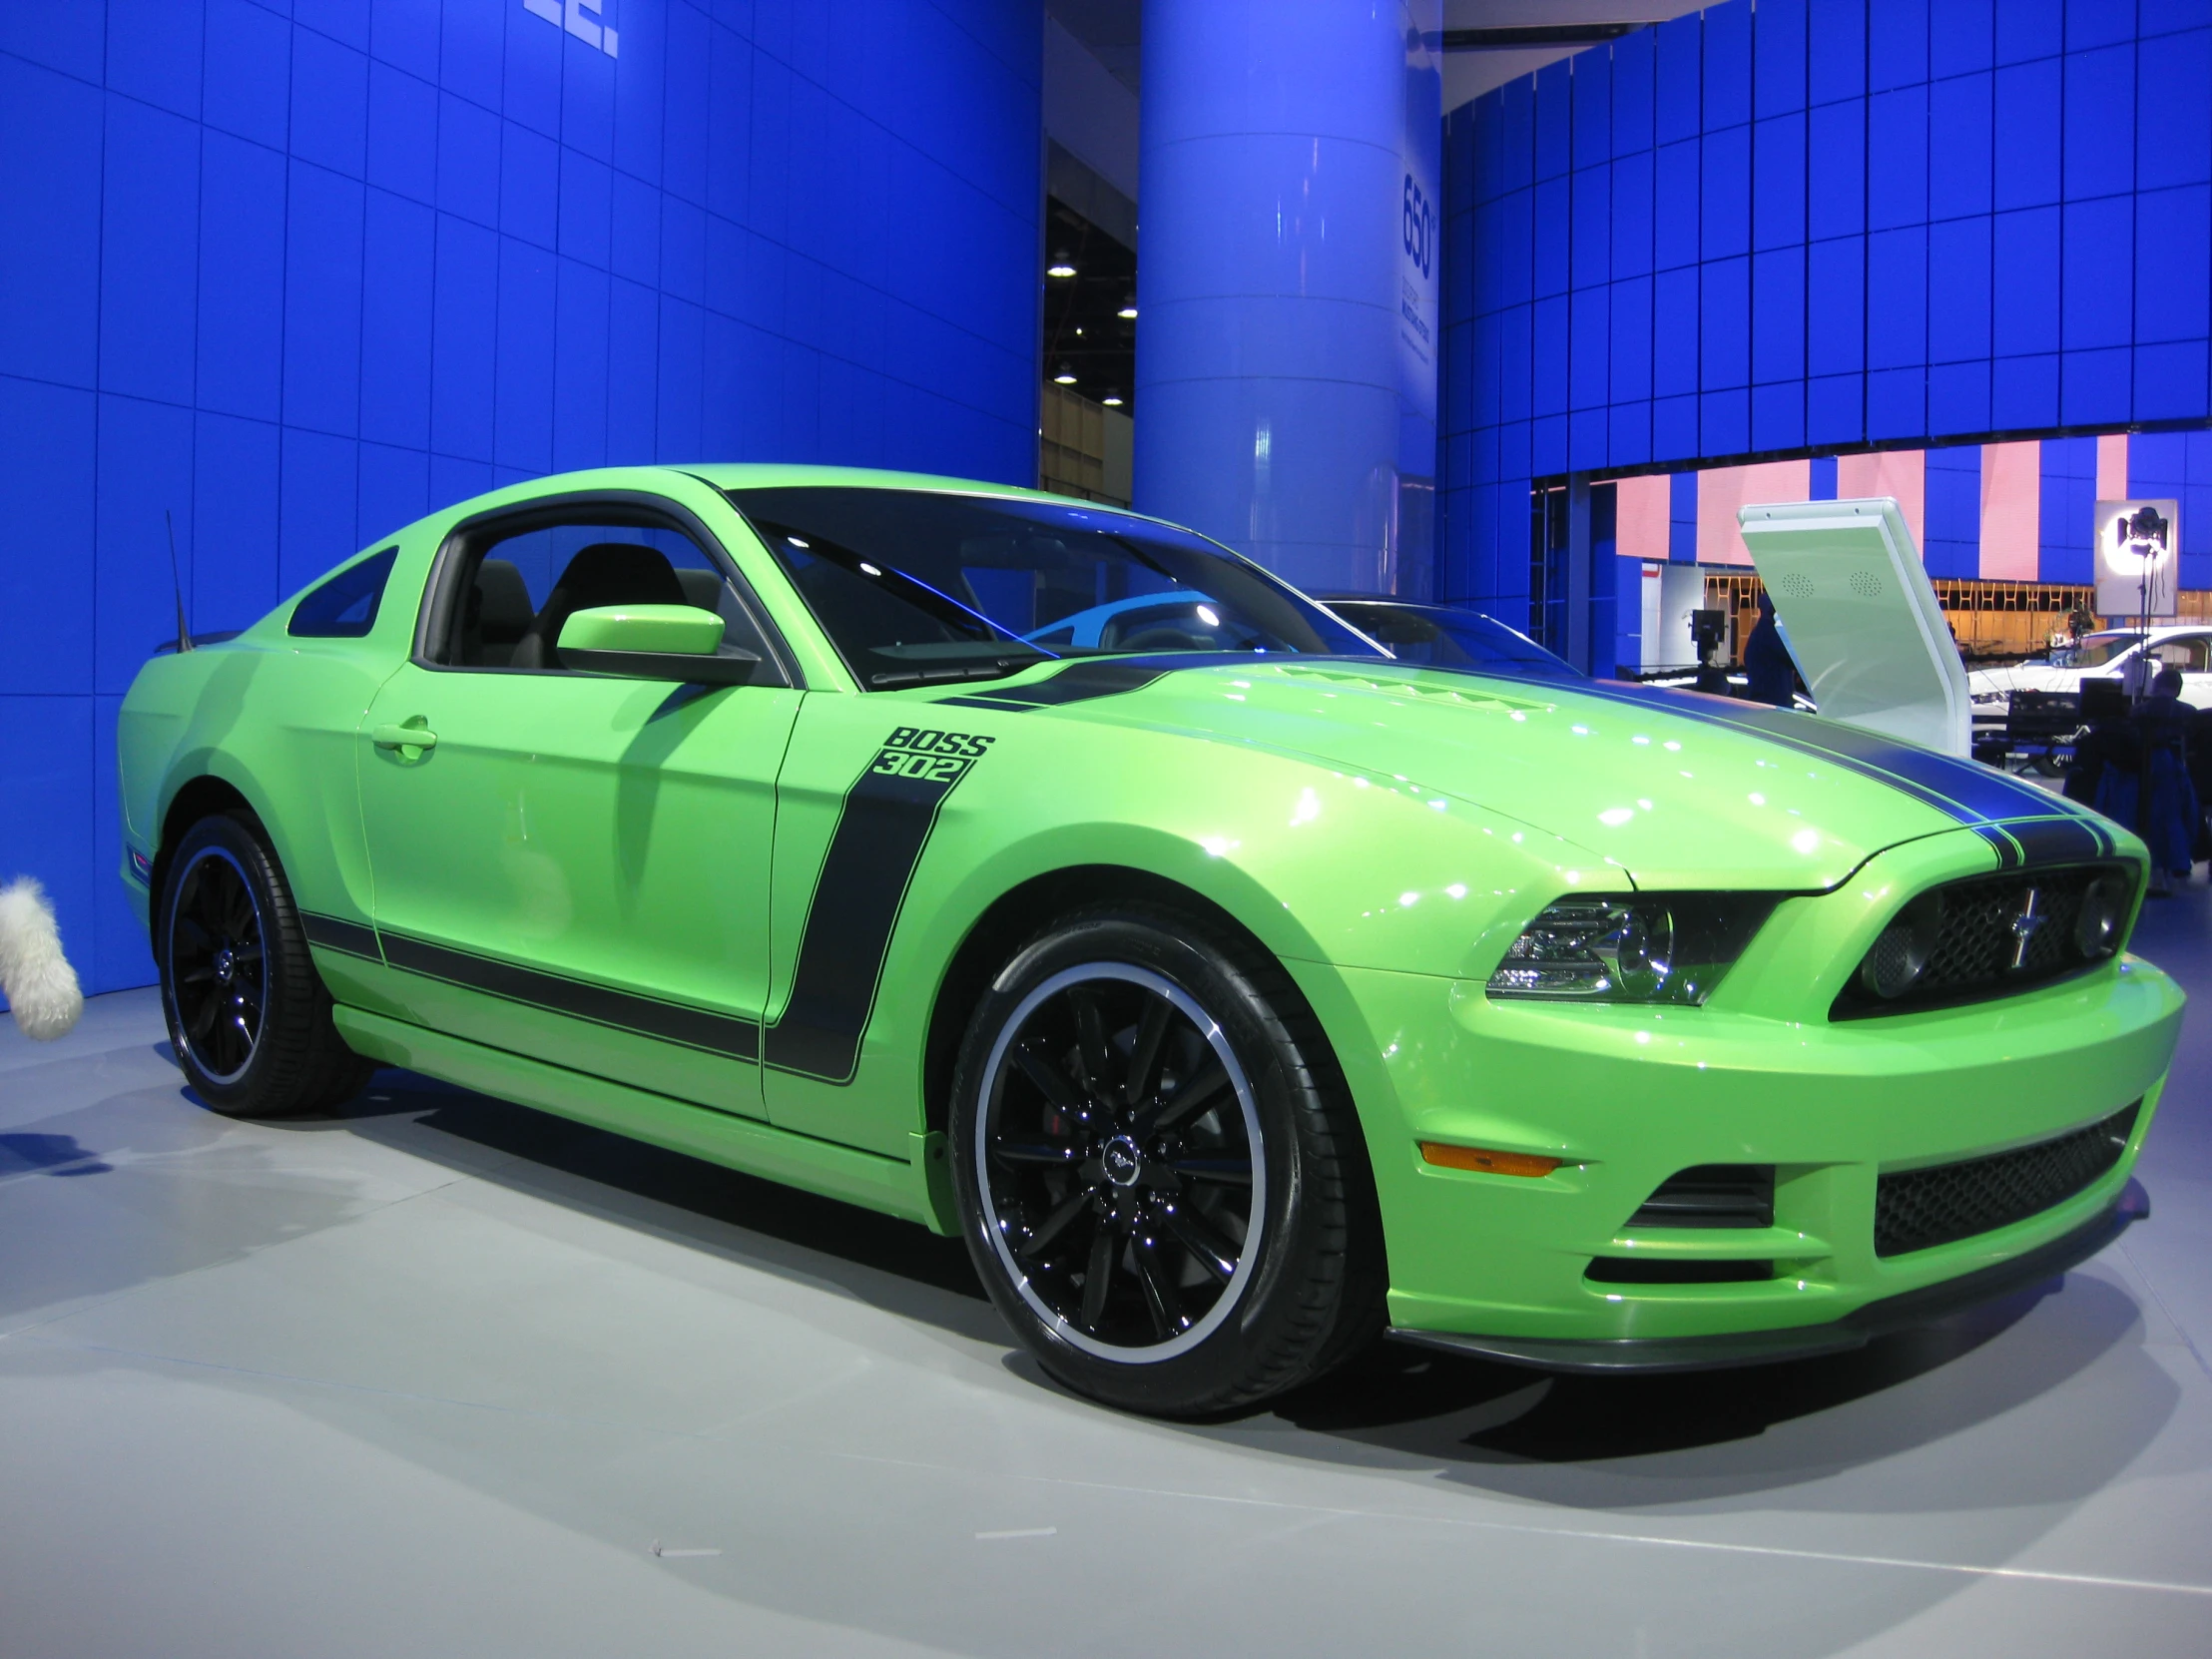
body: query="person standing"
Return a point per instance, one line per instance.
(2169, 816)
(1767, 661)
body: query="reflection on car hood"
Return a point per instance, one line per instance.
(1677, 788)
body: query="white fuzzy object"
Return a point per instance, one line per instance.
(40, 984)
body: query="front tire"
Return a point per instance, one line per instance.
(1161, 1178)
(249, 1016)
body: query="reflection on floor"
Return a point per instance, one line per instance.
(442, 1375)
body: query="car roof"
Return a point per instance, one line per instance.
(755, 475)
(2166, 630)
(761, 476)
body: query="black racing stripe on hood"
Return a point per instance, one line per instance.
(2060, 841)
(1965, 789)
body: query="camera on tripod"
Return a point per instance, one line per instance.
(1706, 630)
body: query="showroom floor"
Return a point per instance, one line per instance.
(447, 1376)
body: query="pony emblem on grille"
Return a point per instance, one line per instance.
(2026, 925)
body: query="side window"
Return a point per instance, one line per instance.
(521, 589)
(2188, 653)
(345, 607)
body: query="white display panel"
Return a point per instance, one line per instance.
(1861, 619)
(2139, 558)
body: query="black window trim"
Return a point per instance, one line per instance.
(434, 617)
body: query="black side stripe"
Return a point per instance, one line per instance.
(885, 823)
(1080, 682)
(335, 933)
(730, 1035)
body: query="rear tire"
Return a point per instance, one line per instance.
(248, 1016)
(1161, 1178)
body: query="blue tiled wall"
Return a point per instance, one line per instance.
(1825, 225)
(296, 273)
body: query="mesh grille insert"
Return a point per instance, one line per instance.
(1997, 935)
(1918, 1208)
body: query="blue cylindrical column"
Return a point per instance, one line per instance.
(1287, 293)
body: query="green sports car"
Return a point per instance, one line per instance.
(1048, 874)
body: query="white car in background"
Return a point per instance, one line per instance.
(2109, 655)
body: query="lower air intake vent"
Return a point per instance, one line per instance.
(1623, 1270)
(1918, 1208)
(1712, 1195)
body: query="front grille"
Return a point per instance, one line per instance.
(1992, 935)
(1918, 1209)
(1711, 1195)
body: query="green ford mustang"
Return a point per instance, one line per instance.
(1047, 874)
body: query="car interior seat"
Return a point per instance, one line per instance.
(499, 614)
(605, 573)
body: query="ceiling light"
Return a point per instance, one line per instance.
(1059, 266)
(1066, 376)
(1128, 311)
(1112, 400)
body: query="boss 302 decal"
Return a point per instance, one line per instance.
(885, 823)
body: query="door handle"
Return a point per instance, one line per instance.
(403, 736)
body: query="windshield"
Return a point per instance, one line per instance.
(915, 586)
(2100, 650)
(1448, 638)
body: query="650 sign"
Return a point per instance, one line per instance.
(1418, 227)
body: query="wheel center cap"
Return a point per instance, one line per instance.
(226, 964)
(1123, 1162)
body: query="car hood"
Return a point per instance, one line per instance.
(1677, 788)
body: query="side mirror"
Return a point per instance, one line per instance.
(653, 641)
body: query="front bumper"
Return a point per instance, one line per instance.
(1628, 1097)
(1903, 1311)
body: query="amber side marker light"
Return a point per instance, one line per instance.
(1483, 1159)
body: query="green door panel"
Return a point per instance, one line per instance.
(576, 869)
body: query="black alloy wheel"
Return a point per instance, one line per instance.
(1162, 1182)
(218, 985)
(248, 1016)
(1120, 1162)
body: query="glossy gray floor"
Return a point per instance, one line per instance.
(446, 1377)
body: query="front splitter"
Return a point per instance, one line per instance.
(1905, 1311)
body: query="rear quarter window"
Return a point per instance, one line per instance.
(345, 607)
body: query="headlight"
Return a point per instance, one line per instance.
(1982, 699)
(1631, 948)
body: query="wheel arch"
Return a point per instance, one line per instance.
(196, 794)
(1023, 911)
